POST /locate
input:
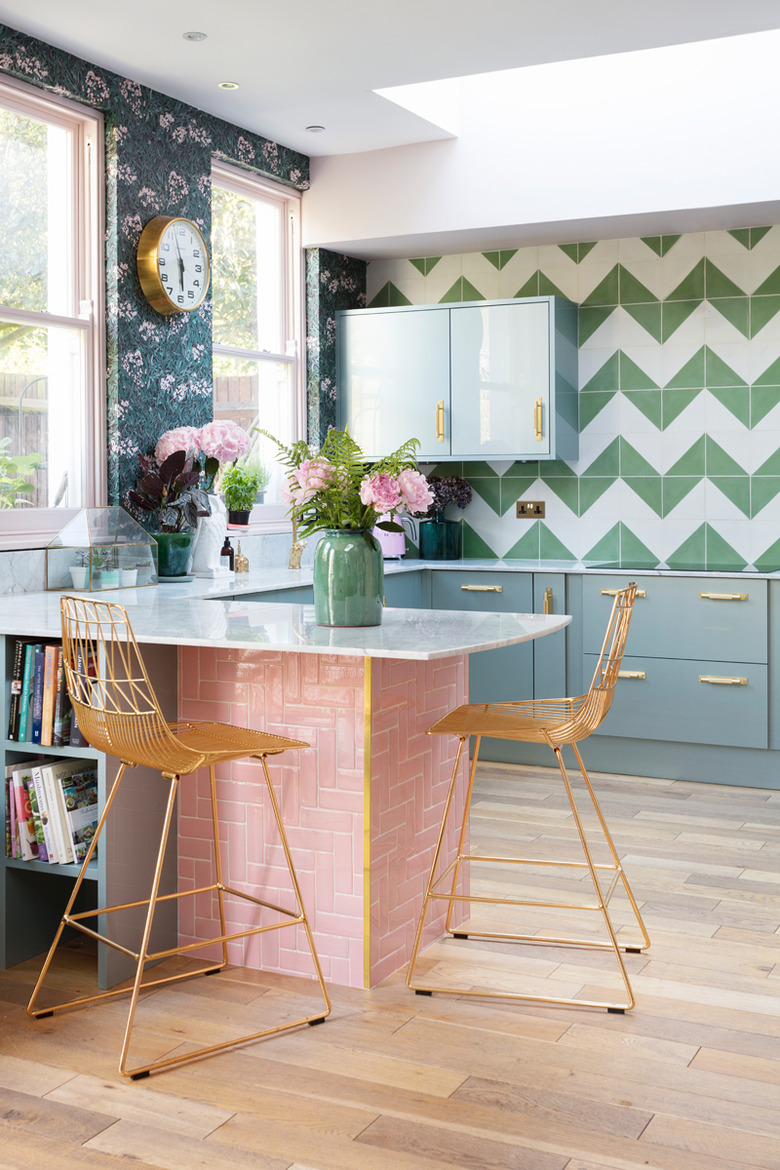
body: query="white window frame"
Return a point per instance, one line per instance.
(273, 517)
(34, 528)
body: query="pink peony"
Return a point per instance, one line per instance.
(381, 491)
(179, 439)
(224, 440)
(415, 493)
(313, 476)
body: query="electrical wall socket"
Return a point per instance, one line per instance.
(530, 510)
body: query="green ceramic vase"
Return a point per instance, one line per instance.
(439, 540)
(348, 578)
(173, 553)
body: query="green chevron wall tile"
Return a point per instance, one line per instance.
(735, 488)
(648, 316)
(653, 243)
(547, 288)
(527, 547)
(605, 464)
(692, 287)
(473, 544)
(762, 311)
(674, 314)
(389, 296)
(648, 402)
(633, 553)
(691, 373)
(770, 466)
(556, 469)
(721, 557)
(675, 402)
(567, 490)
(736, 310)
(717, 284)
(569, 250)
(489, 490)
(630, 290)
(425, 264)
(606, 291)
(770, 286)
(762, 400)
(591, 318)
(632, 377)
(531, 286)
(757, 234)
(632, 463)
(692, 462)
(675, 489)
(763, 489)
(441, 469)
(692, 553)
(499, 259)
(769, 561)
(591, 405)
(584, 249)
(591, 490)
(736, 399)
(461, 290)
(479, 469)
(512, 489)
(520, 469)
(577, 252)
(770, 376)
(551, 548)
(607, 550)
(648, 488)
(607, 377)
(749, 237)
(718, 461)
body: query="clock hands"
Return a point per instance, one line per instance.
(181, 262)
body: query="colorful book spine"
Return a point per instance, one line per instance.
(24, 817)
(63, 709)
(49, 694)
(37, 823)
(37, 695)
(27, 684)
(81, 802)
(43, 810)
(16, 689)
(10, 814)
(77, 738)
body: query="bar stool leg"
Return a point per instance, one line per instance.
(218, 864)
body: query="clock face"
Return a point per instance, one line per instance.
(173, 264)
(183, 265)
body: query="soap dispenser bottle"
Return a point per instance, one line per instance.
(226, 555)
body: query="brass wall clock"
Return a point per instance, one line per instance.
(173, 264)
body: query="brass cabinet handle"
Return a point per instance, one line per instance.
(538, 420)
(440, 421)
(725, 596)
(482, 588)
(548, 600)
(614, 592)
(631, 674)
(724, 681)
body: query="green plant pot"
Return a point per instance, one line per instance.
(173, 553)
(348, 578)
(439, 540)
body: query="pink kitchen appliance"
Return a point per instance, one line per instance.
(393, 544)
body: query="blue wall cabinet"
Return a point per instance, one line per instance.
(480, 380)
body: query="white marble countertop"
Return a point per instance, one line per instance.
(191, 615)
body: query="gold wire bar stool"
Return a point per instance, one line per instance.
(556, 722)
(119, 713)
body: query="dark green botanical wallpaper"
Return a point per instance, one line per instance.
(333, 282)
(158, 160)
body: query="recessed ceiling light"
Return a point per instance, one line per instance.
(315, 129)
(194, 36)
(228, 85)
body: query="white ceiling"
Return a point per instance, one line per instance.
(311, 62)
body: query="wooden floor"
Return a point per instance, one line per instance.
(690, 1080)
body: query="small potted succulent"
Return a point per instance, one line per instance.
(239, 486)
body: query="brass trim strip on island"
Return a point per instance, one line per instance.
(631, 674)
(723, 680)
(724, 596)
(482, 588)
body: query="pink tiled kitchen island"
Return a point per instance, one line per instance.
(362, 805)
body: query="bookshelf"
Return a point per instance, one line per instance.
(33, 894)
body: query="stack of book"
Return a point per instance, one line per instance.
(40, 710)
(51, 809)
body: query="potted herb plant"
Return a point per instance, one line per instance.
(239, 487)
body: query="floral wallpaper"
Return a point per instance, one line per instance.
(332, 282)
(158, 162)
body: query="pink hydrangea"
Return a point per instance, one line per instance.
(313, 475)
(224, 440)
(179, 439)
(415, 493)
(381, 491)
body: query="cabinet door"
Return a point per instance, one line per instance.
(500, 357)
(394, 371)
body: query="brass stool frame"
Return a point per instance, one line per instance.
(557, 722)
(119, 713)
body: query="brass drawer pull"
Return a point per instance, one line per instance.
(631, 674)
(440, 421)
(725, 596)
(548, 600)
(538, 420)
(724, 681)
(614, 592)
(482, 588)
